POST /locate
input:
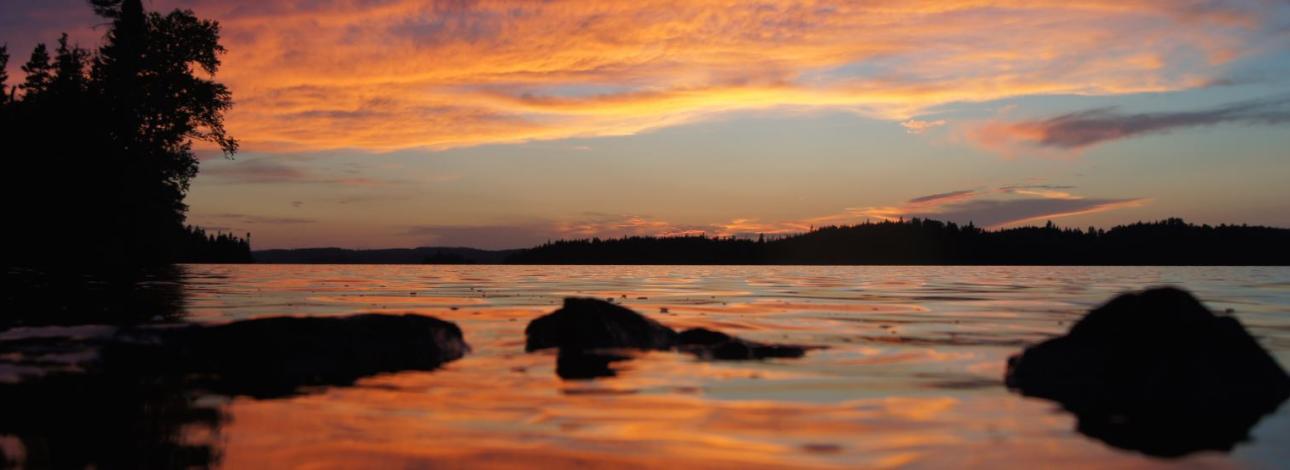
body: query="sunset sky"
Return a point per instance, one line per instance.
(501, 124)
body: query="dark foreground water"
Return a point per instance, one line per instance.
(911, 377)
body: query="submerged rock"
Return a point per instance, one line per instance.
(1155, 371)
(579, 364)
(587, 330)
(584, 323)
(711, 344)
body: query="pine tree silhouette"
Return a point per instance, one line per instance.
(40, 73)
(104, 140)
(4, 74)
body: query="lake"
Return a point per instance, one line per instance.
(911, 375)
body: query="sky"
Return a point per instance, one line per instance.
(503, 124)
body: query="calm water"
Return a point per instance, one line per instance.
(912, 376)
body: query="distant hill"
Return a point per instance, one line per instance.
(1167, 242)
(422, 255)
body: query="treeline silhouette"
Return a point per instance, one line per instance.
(923, 241)
(197, 246)
(99, 143)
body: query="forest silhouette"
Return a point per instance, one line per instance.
(100, 144)
(922, 241)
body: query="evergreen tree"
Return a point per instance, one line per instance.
(157, 105)
(69, 70)
(4, 74)
(39, 72)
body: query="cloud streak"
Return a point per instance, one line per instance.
(279, 171)
(1079, 130)
(942, 198)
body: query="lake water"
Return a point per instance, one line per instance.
(911, 377)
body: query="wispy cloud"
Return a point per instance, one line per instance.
(942, 198)
(1049, 191)
(253, 219)
(993, 208)
(283, 170)
(254, 171)
(394, 74)
(1079, 130)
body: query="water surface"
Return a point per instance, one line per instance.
(911, 377)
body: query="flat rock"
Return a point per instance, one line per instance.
(1155, 371)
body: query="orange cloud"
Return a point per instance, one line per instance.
(916, 126)
(401, 74)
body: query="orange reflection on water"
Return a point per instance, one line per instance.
(384, 300)
(910, 377)
(408, 420)
(402, 422)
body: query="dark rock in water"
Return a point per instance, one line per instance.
(139, 395)
(584, 329)
(702, 337)
(595, 324)
(711, 344)
(274, 357)
(1155, 371)
(578, 364)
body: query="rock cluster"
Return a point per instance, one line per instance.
(591, 334)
